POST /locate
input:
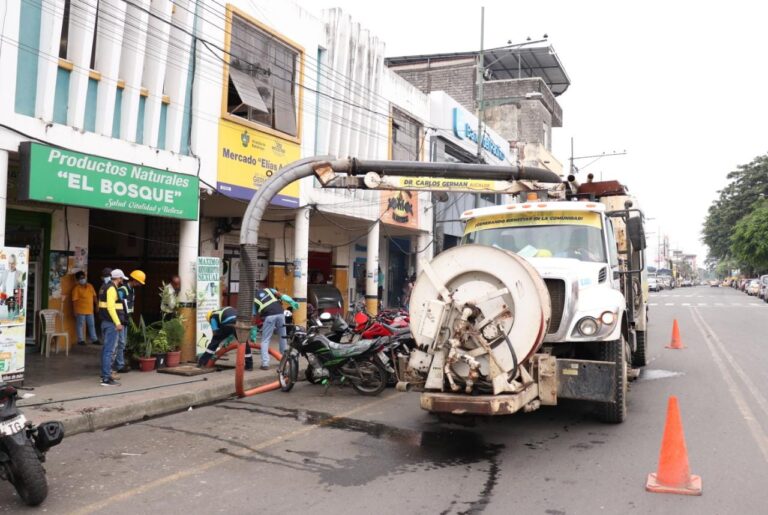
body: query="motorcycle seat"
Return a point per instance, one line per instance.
(397, 331)
(350, 349)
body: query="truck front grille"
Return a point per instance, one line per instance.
(556, 289)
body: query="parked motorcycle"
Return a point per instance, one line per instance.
(23, 447)
(361, 363)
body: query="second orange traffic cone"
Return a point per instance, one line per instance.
(673, 475)
(676, 342)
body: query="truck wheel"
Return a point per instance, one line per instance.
(615, 412)
(639, 357)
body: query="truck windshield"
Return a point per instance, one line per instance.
(567, 241)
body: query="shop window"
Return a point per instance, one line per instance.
(262, 78)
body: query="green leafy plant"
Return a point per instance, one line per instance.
(136, 340)
(160, 344)
(174, 331)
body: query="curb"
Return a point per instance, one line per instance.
(102, 418)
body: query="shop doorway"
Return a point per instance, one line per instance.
(320, 267)
(399, 261)
(31, 229)
(129, 242)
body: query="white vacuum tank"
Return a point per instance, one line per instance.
(470, 308)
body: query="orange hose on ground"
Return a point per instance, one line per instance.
(240, 368)
(240, 374)
(223, 350)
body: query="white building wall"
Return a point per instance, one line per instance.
(72, 136)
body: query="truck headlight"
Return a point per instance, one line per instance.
(608, 318)
(587, 326)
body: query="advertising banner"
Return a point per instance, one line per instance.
(14, 269)
(534, 218)
(400, 208)
(248, 157)
(208, 297)
(440, 184)
(51, 174)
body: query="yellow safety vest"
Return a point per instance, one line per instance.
(268, 301)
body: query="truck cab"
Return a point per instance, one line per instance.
(572, 245)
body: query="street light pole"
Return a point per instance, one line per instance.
(480, 79)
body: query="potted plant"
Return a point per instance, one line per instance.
(174, 333)
(160, 347)
(135, 342)
(147, 361)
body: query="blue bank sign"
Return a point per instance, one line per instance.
(462, 129)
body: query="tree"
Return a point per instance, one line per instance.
(749, 243)
(736, 200)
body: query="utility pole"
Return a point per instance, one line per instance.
(480, 78)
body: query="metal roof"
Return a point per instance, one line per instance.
(506, 63)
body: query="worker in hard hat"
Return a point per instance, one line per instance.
(222, 322)
(127, 295)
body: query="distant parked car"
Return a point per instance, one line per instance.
(714, 283)
(653, 284)
(763, 288)
(753, 288)
(686, 283)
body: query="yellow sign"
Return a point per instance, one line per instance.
(439, 184)
(482, 223)
(248, 157)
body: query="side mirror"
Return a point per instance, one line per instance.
(636, 232)
(326, 317)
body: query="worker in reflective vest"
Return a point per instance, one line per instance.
(127, 294)
(222, 323)
(267, 304)
(113, 318)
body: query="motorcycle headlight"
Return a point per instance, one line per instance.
(587, 326)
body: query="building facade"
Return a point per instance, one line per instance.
(133, 135)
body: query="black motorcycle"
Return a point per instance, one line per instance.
(363, 363)
(23, 447)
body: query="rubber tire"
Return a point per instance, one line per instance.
(615, 412)
(287, 378)
(640, 357)
(28, 475)
(382, 376)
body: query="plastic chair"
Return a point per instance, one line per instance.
(48, 319)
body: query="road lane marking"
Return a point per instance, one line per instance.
(127, 494)
(715, 348)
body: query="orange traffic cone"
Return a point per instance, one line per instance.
(673, 475)
(676, 342)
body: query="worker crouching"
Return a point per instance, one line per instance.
(222, 322)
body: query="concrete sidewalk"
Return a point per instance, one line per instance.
(67, 388)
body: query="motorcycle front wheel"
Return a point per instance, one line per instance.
(373, 378)
(28, 474)
(287, 372)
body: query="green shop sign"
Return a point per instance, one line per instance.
(51, 174)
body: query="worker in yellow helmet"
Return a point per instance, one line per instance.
(127, 295)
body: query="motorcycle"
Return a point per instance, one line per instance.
(23, 447)
(363, 363)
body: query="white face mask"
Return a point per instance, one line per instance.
(82, 281)
(107, 279)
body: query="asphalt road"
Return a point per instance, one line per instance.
(342, 453)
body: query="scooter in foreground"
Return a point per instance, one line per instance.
(23, 447)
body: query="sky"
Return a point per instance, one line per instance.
(679, 85)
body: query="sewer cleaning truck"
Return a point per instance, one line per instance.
(545, 299)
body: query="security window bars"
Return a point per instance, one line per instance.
(262, 78)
